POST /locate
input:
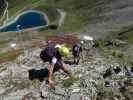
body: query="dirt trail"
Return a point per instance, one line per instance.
(62, 16)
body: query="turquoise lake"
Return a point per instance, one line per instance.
(26, 20)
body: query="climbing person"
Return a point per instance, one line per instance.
(53, 55)
(77, 52)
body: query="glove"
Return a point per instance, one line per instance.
(54, 60)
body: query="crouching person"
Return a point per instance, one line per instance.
(54, 55)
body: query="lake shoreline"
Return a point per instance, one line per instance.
(21, 14)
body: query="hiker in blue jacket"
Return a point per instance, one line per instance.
(77, 52)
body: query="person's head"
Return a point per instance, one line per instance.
(58, 46)
(82, 42)
(64, 51)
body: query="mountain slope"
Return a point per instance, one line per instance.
(118, 16)
(92, 17)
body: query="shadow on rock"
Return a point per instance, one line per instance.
(107, 73)
(117, 70)
(40, 74)
(69, 62)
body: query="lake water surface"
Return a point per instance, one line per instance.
(26, 20)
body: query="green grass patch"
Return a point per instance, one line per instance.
(128, 36)
(21, 84)
(78, 13)
(69, 82)
(3, 43)
(10, 55)
(17, 84)
(51, 12)
(35, 83)
(111, 51)
(16, 5)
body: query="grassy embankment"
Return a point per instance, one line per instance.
(78, 13)
(114, 50)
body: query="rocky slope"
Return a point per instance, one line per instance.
(95, 78)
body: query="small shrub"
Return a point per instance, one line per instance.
(69, 82)
(118, 54)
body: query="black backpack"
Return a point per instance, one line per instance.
(48, 53)
(76, 48)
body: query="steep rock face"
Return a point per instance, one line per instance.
(117, 15)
